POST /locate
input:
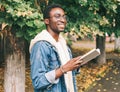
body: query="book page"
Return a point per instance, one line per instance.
(89, 56)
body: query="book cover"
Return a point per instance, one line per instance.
(89, 56)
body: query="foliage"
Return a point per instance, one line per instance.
(85, 17)
(117, 22)
(22, 16)
(91, 17)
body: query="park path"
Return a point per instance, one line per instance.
(92, 44)
(111, 81)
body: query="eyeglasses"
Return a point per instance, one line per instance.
(58, 17)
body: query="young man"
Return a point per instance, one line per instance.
(52, 66)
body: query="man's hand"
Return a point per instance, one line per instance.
(69, 66)
(72, 64)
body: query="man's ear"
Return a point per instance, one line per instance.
(46, 21)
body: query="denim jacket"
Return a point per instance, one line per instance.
(44, 61)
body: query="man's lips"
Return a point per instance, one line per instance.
(61, 25)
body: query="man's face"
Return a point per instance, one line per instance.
(57, 20)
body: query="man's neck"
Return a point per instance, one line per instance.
(54, 35)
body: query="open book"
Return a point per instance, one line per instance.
(89, 56)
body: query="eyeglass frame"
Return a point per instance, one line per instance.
(58, 17)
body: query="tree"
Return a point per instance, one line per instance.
(1, 45)
(117, 44)
(22, 22)
(117, 31)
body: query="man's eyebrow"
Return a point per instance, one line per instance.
(59, 14)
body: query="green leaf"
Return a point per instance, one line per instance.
(30, 23)
(19, 34)
(20, 23)
(31, 32)
(38, 23)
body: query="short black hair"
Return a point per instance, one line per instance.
(46, 12)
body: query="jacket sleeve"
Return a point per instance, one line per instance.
(41, 77)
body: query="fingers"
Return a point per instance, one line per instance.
(78, 61)
(73, 63)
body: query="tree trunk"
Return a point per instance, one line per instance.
(117, 44)
(1, 49)
(100, 43)
(14, 76)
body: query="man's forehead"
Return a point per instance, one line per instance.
(57, 11)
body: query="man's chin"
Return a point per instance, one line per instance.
(61, 30)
